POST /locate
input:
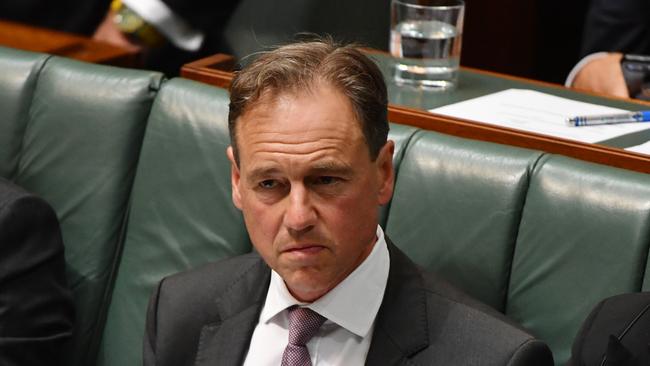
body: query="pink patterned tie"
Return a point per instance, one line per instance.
(303, 324)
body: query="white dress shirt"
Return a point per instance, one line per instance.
(350, 309)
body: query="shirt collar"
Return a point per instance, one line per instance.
(353, 304)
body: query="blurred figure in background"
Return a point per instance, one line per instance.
(168, 33)
(612, 28)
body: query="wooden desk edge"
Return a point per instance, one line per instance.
(215, 70)
(508, 136)
(69, 45)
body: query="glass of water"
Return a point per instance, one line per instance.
(425, 41)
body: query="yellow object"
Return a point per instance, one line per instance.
(134, 26)
(116, 5)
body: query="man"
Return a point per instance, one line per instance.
(311, 165)
(36, 311)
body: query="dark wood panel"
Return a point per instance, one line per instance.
(490, 30)
(538, 39)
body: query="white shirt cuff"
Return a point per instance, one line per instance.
(576, 69)
(175, 29)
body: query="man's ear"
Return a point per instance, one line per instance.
(386, 172)
(234, 178)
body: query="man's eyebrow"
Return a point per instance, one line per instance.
(261, 172)
(331, 168)
(320, 168)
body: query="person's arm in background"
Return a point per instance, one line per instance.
(36, 309)
(155, 14)
(611, 28)
(174, 32)
(601, 73)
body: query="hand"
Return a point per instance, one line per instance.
(603, 75)
(109, 33)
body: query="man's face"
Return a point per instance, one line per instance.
(307, 187)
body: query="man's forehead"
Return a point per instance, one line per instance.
(268, 104)
(271, 96)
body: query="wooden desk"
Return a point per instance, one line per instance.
(410, 107)
(29, 38)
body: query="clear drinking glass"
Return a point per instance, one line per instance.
(425, 42)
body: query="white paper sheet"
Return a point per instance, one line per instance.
(643, 148)
(538, 112)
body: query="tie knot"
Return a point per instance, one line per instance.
(303, 324)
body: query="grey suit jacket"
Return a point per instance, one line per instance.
(207, 317)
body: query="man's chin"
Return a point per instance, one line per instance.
(306, 285)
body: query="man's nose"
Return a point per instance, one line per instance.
(300, 215)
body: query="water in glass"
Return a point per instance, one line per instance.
(427, 53)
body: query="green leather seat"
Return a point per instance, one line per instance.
(401, 135)
(181, 212)
(584, 235)
(79, 152)
(456, 210)
(17, 83)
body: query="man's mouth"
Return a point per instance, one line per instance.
(303, 249)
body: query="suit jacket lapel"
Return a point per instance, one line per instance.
(401, 327)
(227, 339)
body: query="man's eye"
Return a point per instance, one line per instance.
(326, 180)
(269, 183)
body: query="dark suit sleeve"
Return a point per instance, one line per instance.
(36, 311)
(532, 353)
(620, 25)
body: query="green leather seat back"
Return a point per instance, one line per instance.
(401, 135)
(181, 214)
(79, 153)
(456, 209)
(584, 236)
(19, 71)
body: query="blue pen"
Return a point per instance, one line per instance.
(608, 119)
